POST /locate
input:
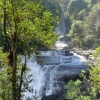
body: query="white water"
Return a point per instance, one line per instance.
(60, 45)
(44, 82)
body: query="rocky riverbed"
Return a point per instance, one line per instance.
(88, 54)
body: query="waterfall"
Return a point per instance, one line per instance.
(48, 76)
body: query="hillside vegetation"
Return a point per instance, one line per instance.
(85, 19)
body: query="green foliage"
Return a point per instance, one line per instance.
(77, 33)
(76, 28)
(60, 6)
(51, 6)
(6, 78)
(39, 29)
(93, 24)
(75, 6)
(3, 59)
(33, 22)
(73, 89)
(82, 14)
(89, 14)
(5, 85)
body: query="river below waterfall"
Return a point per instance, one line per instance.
(51, 70)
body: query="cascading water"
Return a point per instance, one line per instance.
(48, 78)
(60, 45)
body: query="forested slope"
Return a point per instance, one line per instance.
(85, 19)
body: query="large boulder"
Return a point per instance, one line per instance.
(65, 72)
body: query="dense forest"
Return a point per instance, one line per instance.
(84, 17)
(27, 26)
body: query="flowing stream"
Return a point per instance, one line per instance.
(50, 69)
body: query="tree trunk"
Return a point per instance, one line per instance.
(14, 48)
(14, 55)
(4, 29)
(21, 78)
(14, 72)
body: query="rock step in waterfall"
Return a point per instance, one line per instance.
(52, 69)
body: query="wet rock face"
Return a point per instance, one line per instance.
(65, 73)
(51, 97)
(65, 63)
(57, 96)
